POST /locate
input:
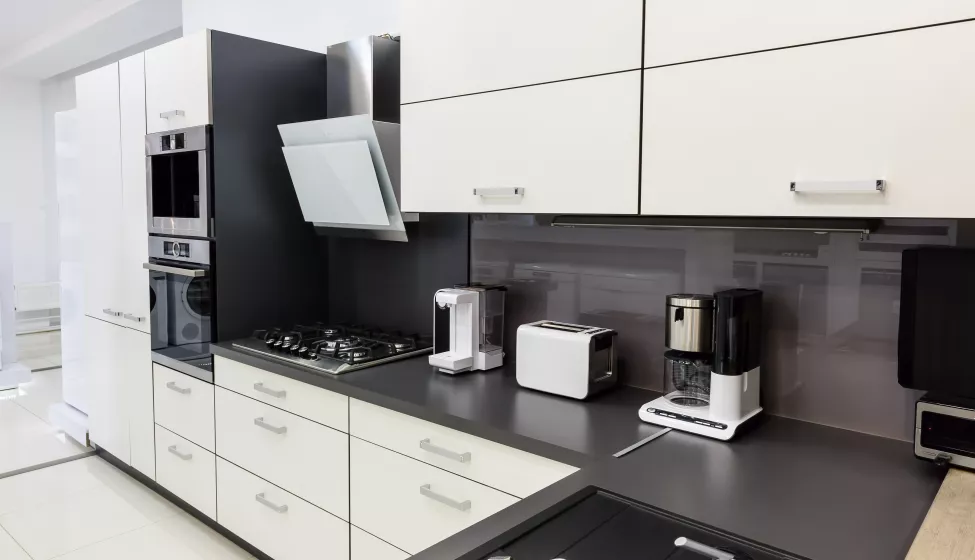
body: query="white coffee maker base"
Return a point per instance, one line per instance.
(696, 420)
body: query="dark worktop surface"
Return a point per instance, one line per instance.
(814, 491)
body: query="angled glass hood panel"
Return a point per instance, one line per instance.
(336, 183)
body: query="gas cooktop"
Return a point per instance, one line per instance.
(335, 349)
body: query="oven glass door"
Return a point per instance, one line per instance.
(181, 322)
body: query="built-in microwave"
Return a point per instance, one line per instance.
(178, 179)
(181, 293)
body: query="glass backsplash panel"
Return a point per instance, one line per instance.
(831, 302)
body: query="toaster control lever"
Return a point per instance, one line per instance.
(942, 459)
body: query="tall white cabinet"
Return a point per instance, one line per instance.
(112, 128)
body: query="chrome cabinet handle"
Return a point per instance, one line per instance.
(703, 549)
(191, 272)
(503, 191)
(176, 452)
(171, 114)
(132, 317)
(259, 387)
(437, 450)
(283, 508)
(112, 312)
(276, 429)
(869, 186)
(459, 506)
(174, 387)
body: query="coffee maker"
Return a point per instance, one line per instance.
(712, 363)
(468, 328)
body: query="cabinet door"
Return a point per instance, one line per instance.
(108, 411)
(677, 32)
(456, 47)
(178, 83)
(134, 367)
(97, 95)
(729, 136)
(569, 147)
(134, 244)
(368, 547)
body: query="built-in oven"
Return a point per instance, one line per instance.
(181, 319)
(178, 175)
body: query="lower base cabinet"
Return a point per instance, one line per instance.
(368, 547)
(187, 470)
(277, 522)
(413, 505)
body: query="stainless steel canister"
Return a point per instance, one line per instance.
(690, 323)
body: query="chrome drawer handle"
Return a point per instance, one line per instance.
(869, 186)
(176, 452)
(283, 508)
(173, 387)
(703, 549)
(259, 387)
(504, 191)
(112, 312)
(276, 429)
(436, 450)
(171, 114)
(459, 506)
(132, 317)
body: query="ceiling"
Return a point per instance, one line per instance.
(24, 20)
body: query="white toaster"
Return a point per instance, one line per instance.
(564, 359)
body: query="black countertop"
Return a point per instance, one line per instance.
(814, 491)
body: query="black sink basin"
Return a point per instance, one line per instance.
(603, 527)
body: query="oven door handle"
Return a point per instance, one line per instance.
(191, 272)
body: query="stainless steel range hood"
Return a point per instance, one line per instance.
(345, 168)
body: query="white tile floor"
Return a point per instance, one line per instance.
(89, 510)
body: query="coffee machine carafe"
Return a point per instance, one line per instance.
(712, 365)
(468, 327)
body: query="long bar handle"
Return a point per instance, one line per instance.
(111, 312)
(271, 428)
(703, 549)
(171, 114)
(259, 387)
(464, 457)
(176, 452)
(869, 186)
(425, 490)
(283, 508)
(172, 386)
(502, 191)
(191, 272)
(132, 317)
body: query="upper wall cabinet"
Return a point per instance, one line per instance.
(731, 136)
(178, 83)
(567, 147)
(456, 47)
(679, 30)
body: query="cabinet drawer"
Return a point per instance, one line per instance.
(276, 522)
(178, 83)
(187, 470)
(324, 407)
(502, 44)
(305, 458)
(495, 465)
(368, 547)
(570, 147)
(677, 32)
(419, 506)
(183, 405)
(896, 107)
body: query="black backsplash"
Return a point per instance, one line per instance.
(831, 302)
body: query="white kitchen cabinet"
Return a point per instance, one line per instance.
(456, 47)
(120, 397)
(184, 405)
(730, 136)
(413, 505)
(134, 251)
(698, 29)
(100, 157)
(368, 547)
(178, 83)
(563, 148)
(187, 470)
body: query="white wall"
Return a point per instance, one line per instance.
(23, 200)
(307, 24)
